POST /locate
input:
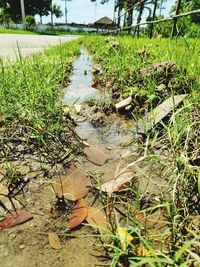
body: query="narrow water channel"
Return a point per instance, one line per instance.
(80, 88)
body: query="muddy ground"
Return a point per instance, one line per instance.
(28, 245)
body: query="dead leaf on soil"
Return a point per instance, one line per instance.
(116, 184)
(96, 155)
(139, 215)
(74, 185)
(79, 214)
(20, 217)
(54, 241)
(97, 218)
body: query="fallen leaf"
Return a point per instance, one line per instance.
(54, 241)
(141, 251)
(74, 185)
(116, 184)
(124, 237)
(96, 217)
(79, 214)
(124, 103)
(96, 155)
(139, 215)
(14, 219)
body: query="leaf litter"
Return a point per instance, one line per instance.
(74, 185)
(96, 155)
(97, 218)
(54, 241)
(79, 214)
(116, 184)
(16, 218)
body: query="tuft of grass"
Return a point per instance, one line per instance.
(29, 89)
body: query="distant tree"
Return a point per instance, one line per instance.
(5, 17)
(189, 25)
(30, 22)
(189, 5)
(32, 7)
(55, 11)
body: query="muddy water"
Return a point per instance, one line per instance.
(109, 138)
(115, 138)
(80, 88)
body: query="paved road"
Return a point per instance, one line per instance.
(29, 44)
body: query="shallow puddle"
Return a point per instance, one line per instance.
(80, 88)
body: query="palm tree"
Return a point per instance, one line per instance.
(55, 11)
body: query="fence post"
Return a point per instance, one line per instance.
(153, 18)
(174, 30)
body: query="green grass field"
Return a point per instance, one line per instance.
(15, 31)
(46, 32)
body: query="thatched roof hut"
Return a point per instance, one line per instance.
(104, 23)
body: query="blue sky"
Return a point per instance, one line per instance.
(83, 11)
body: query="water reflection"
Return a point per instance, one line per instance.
(80, 88)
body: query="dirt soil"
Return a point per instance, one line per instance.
(28, 245)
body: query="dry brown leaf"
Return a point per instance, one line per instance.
(96, 155)
(116, 184)
(74, 185)
(139, 215)
(96, 217)
(54, 241)
(14, 219)
(79, 214)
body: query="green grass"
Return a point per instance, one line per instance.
(37, 32)
(122, 60)
(59, 33)
(15, 31)
(29, 88)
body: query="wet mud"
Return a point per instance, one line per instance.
(27, 244)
